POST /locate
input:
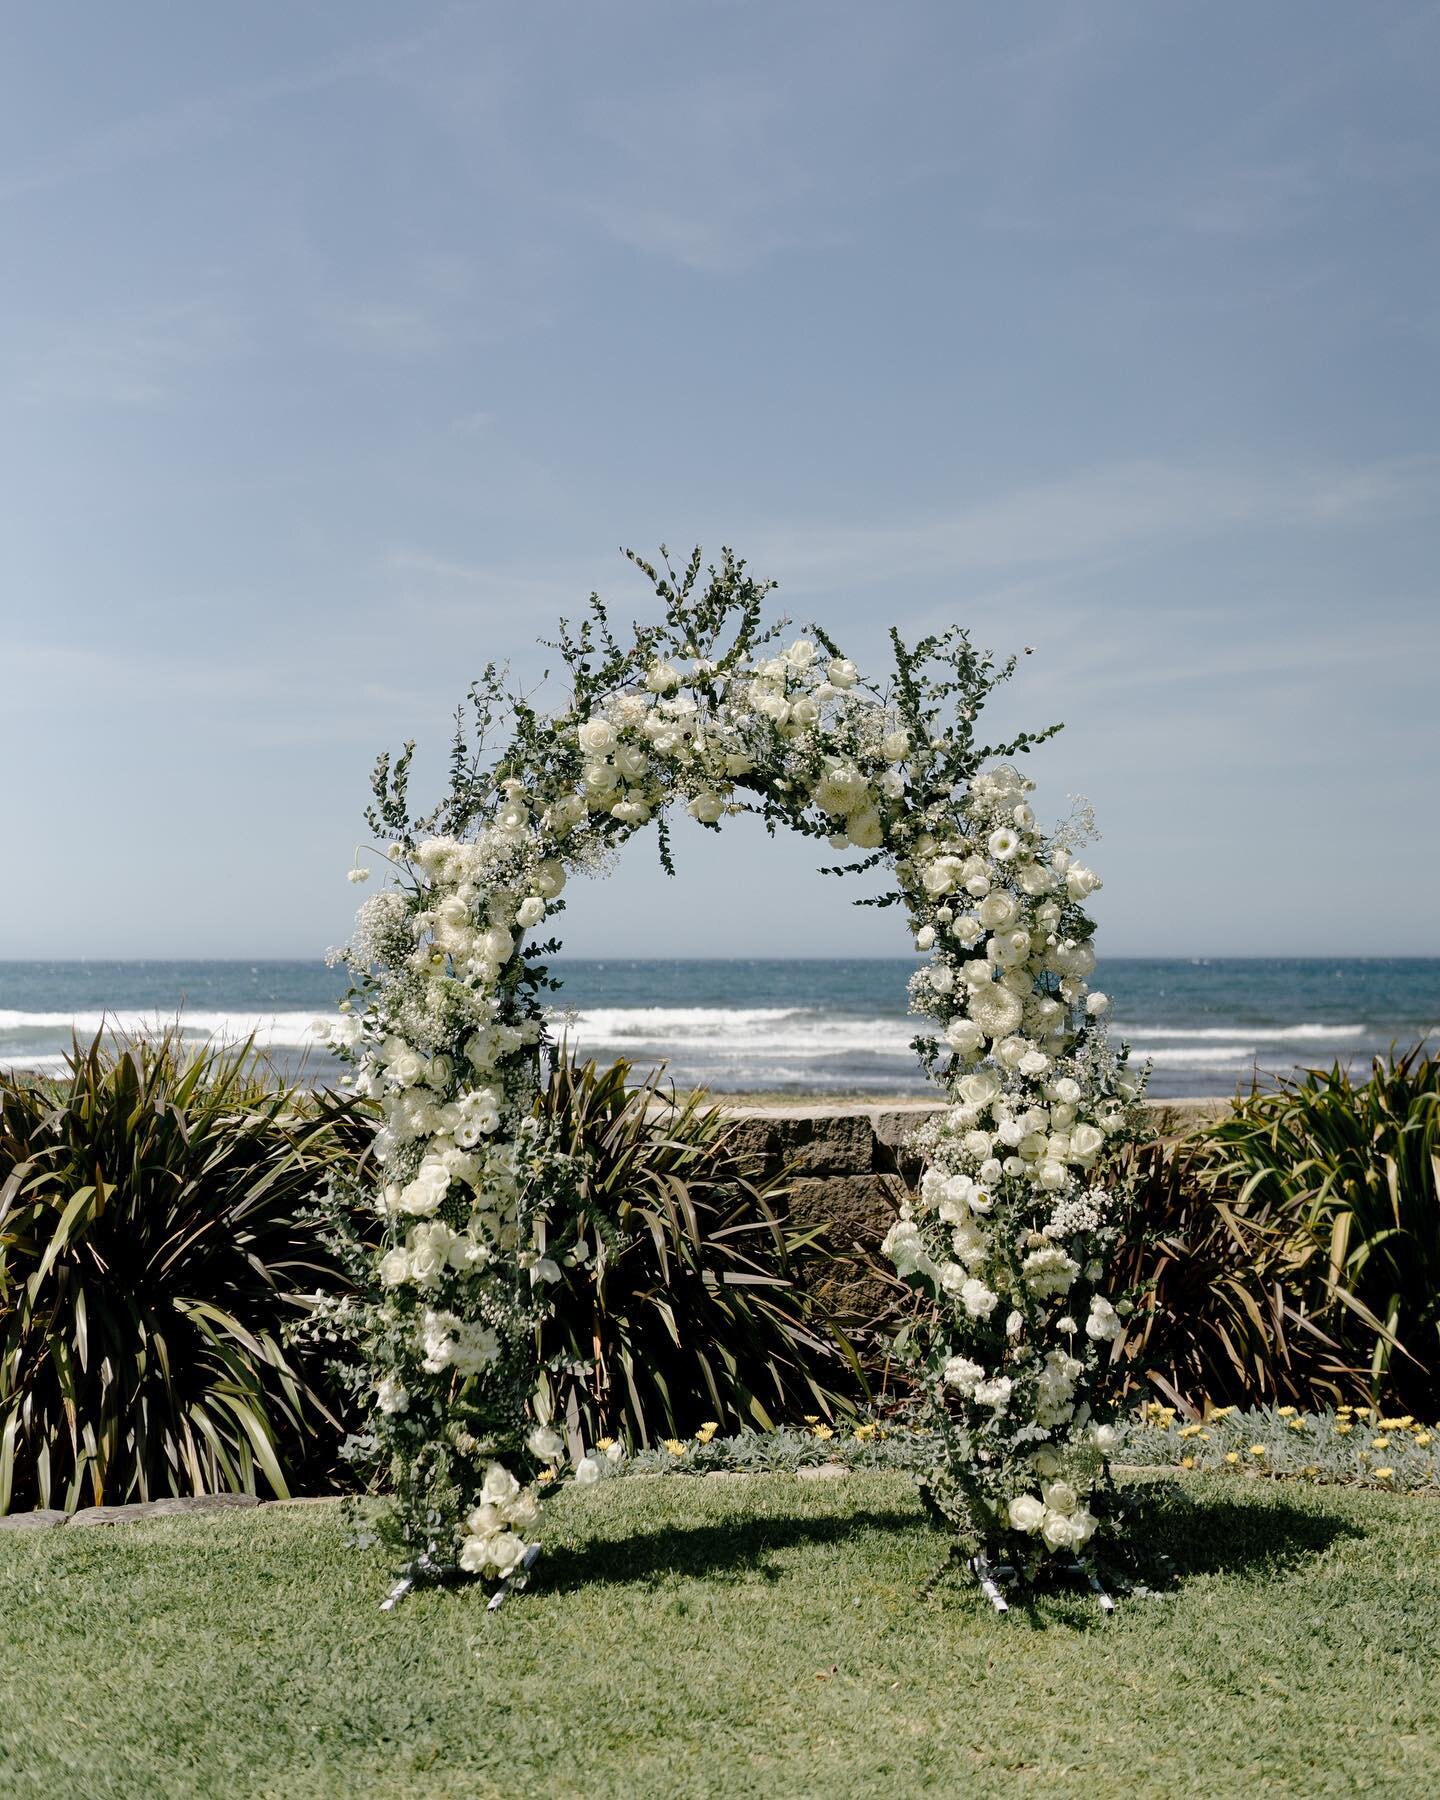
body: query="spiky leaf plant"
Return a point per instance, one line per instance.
(687, 1311)
(155, 1240)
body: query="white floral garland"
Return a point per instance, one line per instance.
(1005, 1232)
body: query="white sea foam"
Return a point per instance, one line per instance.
(1258, 1034)
(736, 1031)
(272, 1030)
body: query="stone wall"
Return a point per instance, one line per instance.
(848, 1167)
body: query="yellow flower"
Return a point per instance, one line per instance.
(1189, 1431)
(1297, 1425)
(863, 1433)
(1285, 1412)
(1222, 1412)
(1380, 1443)
(1422, 1438)
(1342, 1426)
(604, 1443)
(1187, 1462)
(1383, 1474)
(1310, 1469)
(1396, 1424)
(706, 1432)
(1204, 1437)
(821, 1431)
(1232, 1456)
(545, 1475)
(675, 1447)
(812, 1418)
(1257, 1449)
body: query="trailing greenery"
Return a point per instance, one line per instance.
(687, 1309)
(755, 1638)
(155, 1240)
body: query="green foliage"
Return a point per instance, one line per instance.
(154, 1242)
(1290, 1251)
(687, 1311)
(1353, 1169)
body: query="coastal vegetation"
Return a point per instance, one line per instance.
(162, 1236)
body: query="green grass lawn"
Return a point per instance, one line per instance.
(732, 1636)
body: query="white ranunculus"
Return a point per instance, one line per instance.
(496, 944)
(1026, 1513)
(1104, 1323)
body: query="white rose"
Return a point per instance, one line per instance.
(997, 911)
(1081, 882)
(977, 1299)
(497, 945)
(545, 1443)
(963, 1374)
(964, 1036)
(941, 977)
(980, 1088)
(587, 1472)
(631, 761)
(925, 938)
(896, 746)
(530, 912)
(843, 673)
(1026, 1513)
(394, 1268)
(1061, 1497)
(596, 737)
(1085, 1141)
(866, 830)
(801, 654)
(660, 678)
(708, 808)
(499, 1486)
(549, 878)
(1097, 1003)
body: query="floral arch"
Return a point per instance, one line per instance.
(1007, 1234)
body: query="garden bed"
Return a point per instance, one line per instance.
(710, 1637)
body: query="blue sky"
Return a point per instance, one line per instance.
(342, 344)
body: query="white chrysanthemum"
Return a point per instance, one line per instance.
(995, 1010)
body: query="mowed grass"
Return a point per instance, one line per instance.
(747, 1635)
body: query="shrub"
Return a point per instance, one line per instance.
(1353, 1172)
(689, 1311)
(155, 1240)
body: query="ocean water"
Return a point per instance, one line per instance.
(1206, 1025)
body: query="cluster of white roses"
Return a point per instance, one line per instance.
(449, 1044)
(1003, 1227)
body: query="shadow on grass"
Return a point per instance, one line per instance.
(1182, 1537)
(1220, 1535)
(734, 1550)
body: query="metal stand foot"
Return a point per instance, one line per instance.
(986, 1574)
(1081, 1571)
(502, 1593)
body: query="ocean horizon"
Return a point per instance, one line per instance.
(1207, 1025)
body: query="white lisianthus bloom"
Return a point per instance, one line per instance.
(545, 1443)
(906, 1249)
(1104, 1323)
(1081, 882)
(391, 1395)
(843, 673)
(1004, 843)
(994, 1392)
(977, 1299)
(866, 830)
(1026, 1513)
(708, 808)
(1107, 1439)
